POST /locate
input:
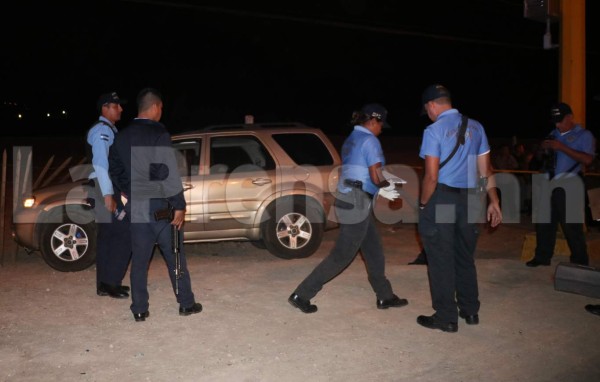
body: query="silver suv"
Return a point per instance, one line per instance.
(267, 183)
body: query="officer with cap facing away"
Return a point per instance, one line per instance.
(457, 154)
(362, 178)
(572, 147)
(113, 248)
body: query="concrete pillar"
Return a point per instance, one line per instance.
(572, 56)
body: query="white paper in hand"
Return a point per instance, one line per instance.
(392, 178)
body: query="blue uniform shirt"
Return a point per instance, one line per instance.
(360, 150)
(439, 140)
(578, 139)
(101, 137)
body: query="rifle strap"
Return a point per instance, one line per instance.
(460, 139)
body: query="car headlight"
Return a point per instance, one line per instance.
(29, 202)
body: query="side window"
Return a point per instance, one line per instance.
(188, 156)
(238, 153)
(304, 148)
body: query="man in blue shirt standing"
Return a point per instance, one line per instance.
(570, 148)
(362, 179)
(456, 165)
(113, 249)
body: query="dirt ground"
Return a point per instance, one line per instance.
(53, 326)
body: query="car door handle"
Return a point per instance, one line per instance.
(187, 186)
(261, 181)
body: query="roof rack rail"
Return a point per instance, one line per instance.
(254, 126)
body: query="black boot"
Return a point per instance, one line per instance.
(420, 260)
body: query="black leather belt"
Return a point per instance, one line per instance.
(357, 185)
(456, 190)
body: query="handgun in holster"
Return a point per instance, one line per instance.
(357, 192)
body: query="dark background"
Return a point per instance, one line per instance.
(311, 61)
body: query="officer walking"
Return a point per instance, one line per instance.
(362, 178)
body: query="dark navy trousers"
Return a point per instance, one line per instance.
(546, 232)
(113, 244)
(357, 231)
(448, 227)
(144, 237)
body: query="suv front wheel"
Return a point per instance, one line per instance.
(68, 246)
(293, 229)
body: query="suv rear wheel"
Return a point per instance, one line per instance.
(68, 246)
(294, 228)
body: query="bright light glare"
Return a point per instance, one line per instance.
(20, 116)
(29, 202)
(47, 114)
(64, 112)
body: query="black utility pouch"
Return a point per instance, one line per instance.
(164, 214)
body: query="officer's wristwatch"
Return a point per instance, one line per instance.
(421, 205)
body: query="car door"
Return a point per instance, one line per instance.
(189, 154)
(241, 175)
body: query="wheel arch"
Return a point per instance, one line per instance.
(289, 197)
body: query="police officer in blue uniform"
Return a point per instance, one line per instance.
(571, 146)
(361, 179)
(594, 308)
(449, 209)
(113, 249)
(143, 165)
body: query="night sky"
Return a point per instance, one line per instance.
(311, 61)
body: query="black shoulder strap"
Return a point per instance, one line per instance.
(96, 122)
(460, 139)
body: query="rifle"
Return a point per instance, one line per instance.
(167, 214)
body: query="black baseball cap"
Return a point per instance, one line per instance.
(433, 92)
(559, 111)
(375, 110)
(107, 98)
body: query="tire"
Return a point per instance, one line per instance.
(68, 246)
(294, 228)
